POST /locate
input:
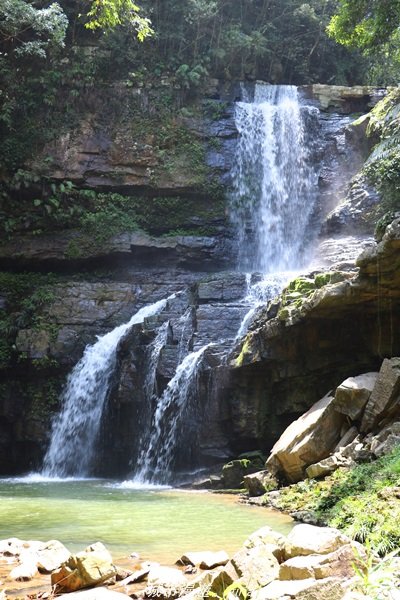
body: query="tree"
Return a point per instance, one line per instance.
(108, 14)
(365, 24)
(29, 31)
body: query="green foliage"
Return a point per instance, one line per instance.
(27, 31)
(109, 14)
(25, 295)
(373, 27)
(364, 23)
(234, 590)
(33, 204)
(362, 501)
(281, 41)
(191, 76)
(375, 578)
(383, 165)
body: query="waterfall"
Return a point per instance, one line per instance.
(274, 187)
(174, 407)
(75, 430)
(273, 197)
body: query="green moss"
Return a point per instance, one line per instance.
(43, 398)
(302, 288)
(245, 351)
(73, 250)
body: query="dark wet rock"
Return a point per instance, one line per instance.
(136, 248)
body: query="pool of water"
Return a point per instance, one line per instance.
(159, 524)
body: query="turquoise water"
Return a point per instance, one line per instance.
(159, 524)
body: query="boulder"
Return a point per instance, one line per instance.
(310, 539)
(347, 438)
(26, 570)
(165, 582)
(340, 563)
(389, 444)
(353, 394)
(345, 98)
(304, 589)
(11, 546)
(307, 440)
(327, 466)
(51, 556)
(256, 566)
(234, 471)
(384, 399)
(136, 576)
(206, 560)
(272, 540)
(259, 483)
(222, 579)
(91, 567)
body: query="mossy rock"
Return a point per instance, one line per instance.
(235, 470)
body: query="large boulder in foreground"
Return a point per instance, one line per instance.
(309, 539)
(307, 440)
(91, 567)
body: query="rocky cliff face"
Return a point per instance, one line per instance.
(170, 175)
(322, 330)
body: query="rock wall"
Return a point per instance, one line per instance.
(176, 170)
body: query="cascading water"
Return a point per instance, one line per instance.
(274, 187)
(172, 409)
(274, 191)
(76, 428)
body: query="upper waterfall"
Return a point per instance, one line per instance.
(274, 186)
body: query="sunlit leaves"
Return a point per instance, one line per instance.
(109, 14)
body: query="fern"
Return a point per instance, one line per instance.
(385, 147)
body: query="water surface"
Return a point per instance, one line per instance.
(159, 524)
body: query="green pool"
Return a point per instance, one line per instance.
(159, 524)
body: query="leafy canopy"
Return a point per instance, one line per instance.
(365, 23)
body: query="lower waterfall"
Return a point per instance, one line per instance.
(173, 411)
(76, 428)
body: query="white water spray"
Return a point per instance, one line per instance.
(274, 188)
(157, 454)
(75, 429)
